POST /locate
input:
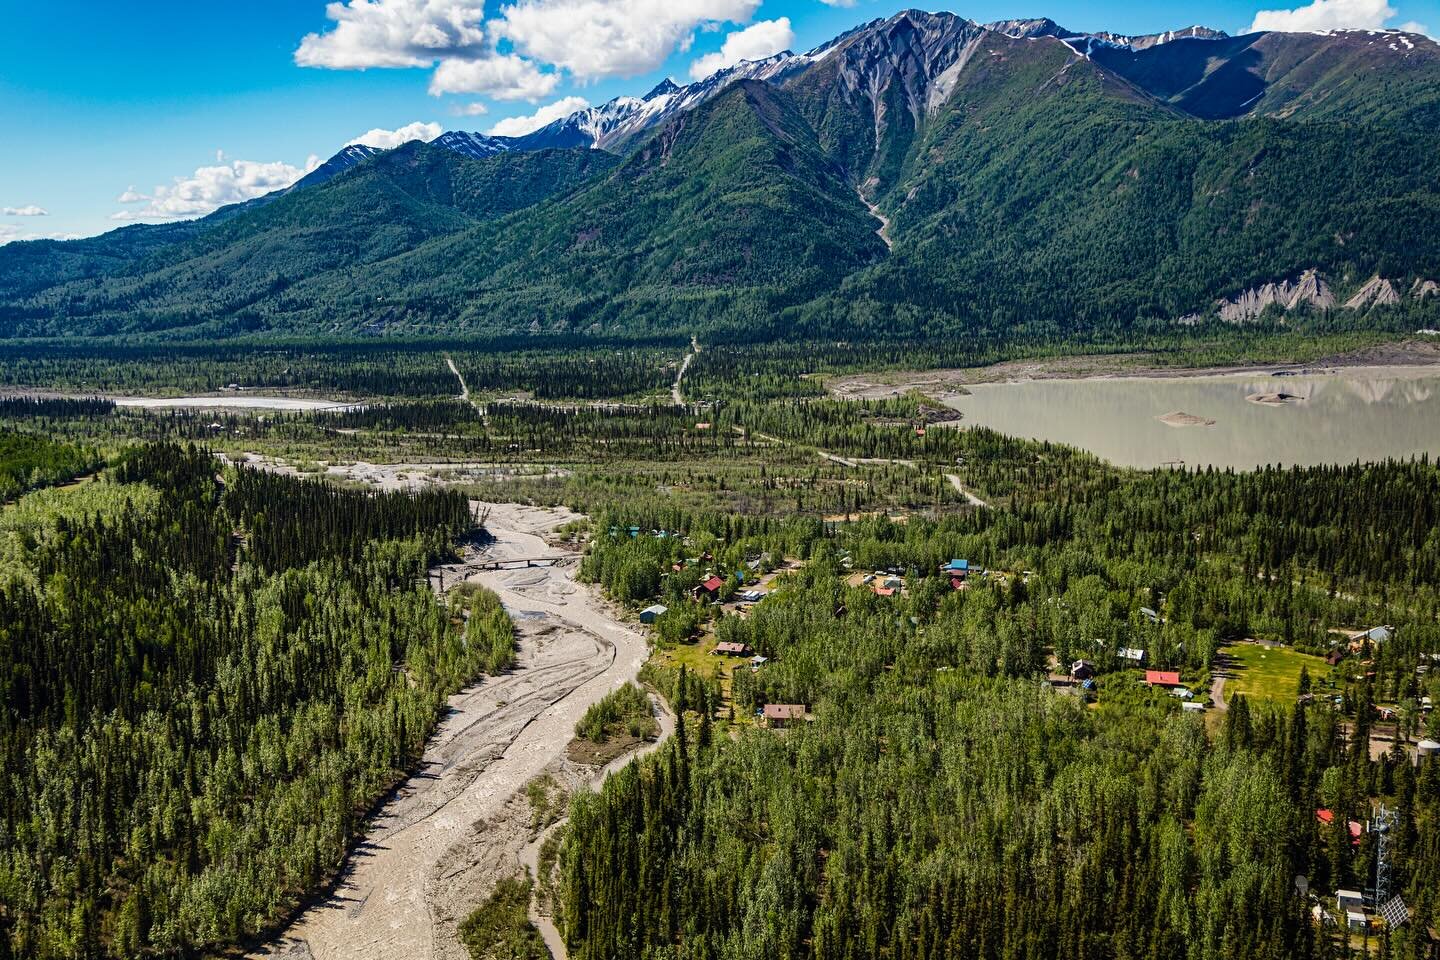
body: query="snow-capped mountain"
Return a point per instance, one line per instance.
(348, 157)
(913, 59)
(618, 121)
(475, 145)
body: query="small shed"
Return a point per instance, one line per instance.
(1133, 654)
(1082, 669)
(1355, 921)
(1334, 657)
(779, 714)
(1427, 748)
(1162, 678)
(1150, 615)
(652, 613)
(1193, 706)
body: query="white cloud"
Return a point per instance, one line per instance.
(505, 77)
(395, 33)
(10, 233)
(838, 3)
(755, 42)
(209, 188)
(598, 38)
(470, 110)
(1413, 26)
(1326, 15)
(29, 210)
(519, 126)
(390, 139)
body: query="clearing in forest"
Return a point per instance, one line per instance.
(1269, 673)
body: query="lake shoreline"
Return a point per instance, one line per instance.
(1420, 356)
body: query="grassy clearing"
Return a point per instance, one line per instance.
(1269, 673)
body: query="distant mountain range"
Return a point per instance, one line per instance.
(1029, 179)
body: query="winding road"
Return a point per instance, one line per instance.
(431, 850)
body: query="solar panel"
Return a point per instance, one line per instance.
(1395, 912)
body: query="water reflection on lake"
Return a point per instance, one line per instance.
(1357, 414)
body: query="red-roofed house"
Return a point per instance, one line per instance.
(1162, 678)
(710, 585)
(728, 649)
(779, 714)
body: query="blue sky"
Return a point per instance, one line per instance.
(178, 106)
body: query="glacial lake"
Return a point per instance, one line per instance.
(1341, 416)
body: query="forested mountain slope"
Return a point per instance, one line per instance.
(729, 211)
(215, 269)
(1048, 191)
(1038, 182)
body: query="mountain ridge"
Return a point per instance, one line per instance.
(1032, 178)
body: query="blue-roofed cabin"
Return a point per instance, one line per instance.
(959, 566)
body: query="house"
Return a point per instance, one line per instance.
(1162, 678)
(894, 583)
(1375, 635)
(710, 585)
(1334, 657)
(777, 715)
(957, 583)
(651, 614)
(885, 591)
(1193, 706)
(1132, 654)
(1151, 615)
(958, 568)
(728, 649)
(1082, 669)
(1346, 900)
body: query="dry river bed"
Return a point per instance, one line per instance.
(460, 824)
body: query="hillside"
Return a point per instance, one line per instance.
(212, 274)
(1050, 193)
(1037, 182)
(730, 211)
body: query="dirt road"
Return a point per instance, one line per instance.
(969, 496)
(419, 871)
(676, 397)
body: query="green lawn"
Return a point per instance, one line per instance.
(1269, 674)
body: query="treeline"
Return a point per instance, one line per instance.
(289, 523)
(196, 722)
(54, 408)
(550, 367)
